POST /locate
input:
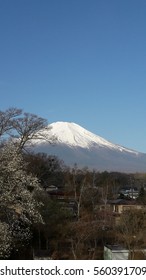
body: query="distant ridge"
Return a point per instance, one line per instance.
(74, 144)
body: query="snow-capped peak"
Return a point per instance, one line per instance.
(74, 135)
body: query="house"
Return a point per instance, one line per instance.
(115, 252)
(118, 252)
(131, 192)
(112, 209)
(117, 206)
(51, 188)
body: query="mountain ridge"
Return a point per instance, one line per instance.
(74, 144)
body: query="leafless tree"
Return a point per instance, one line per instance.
(131, 230)
(6, 120)
(24, 127)
(28, 127)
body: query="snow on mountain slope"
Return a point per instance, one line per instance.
(74, 144)
(74, 135)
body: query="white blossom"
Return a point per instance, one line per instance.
(17, 201)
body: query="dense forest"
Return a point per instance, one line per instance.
(48, 210)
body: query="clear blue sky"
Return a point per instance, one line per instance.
(82, 61)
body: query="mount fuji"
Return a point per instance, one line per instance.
(74, 144)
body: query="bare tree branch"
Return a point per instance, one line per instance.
(6, 120)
